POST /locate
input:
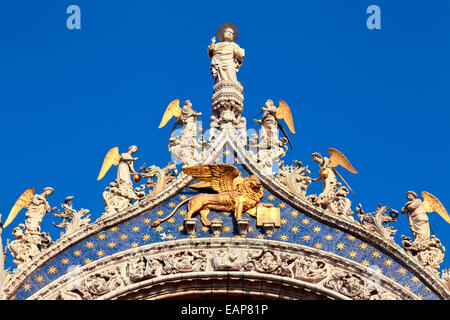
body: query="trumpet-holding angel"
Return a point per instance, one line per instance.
(226, 56)
(271, 121)
(328, 172)
(417, 212)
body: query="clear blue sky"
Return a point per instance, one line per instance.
(380, 96)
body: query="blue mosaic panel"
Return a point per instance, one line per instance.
(296, 227)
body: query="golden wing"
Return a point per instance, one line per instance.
(219, 177)
(337, 158)
(21, 203)
(432, 204)
(111, 158)
(284, 112)
(172, 110)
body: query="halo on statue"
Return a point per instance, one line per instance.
(222, 29)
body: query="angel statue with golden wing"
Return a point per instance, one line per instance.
(125, 169)
(328, 172)
(417, 212)
(270, 122)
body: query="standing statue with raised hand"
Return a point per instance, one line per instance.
(425, 247)
(226, 56)
(327, 173)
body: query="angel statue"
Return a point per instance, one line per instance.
(226, 55)
(29, 238)
(270, 122)
(234, 193)
(327, 173)
(187, 117)
(425, 247)
(416, 210)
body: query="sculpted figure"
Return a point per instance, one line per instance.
(340, 204)
(37, 208)
(427, 248)
(270, 122)
(235, 193)
(226, 55)
(327, 173)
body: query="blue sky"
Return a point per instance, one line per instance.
(379, 96)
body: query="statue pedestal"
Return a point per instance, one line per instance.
(216, 227)
(228, 103)
(191, 226)
(243, 225)
(268, 227)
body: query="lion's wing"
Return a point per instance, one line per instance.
(219, 176)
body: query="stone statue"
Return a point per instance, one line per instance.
(327, 173)
(427, 248)
(37, 208)
(226, 55)
(340, 205)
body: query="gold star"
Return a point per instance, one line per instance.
(87, 260)
(328, 237)
(182, 212)
(282, 205)
(306, 238)
(340, 246)
(236, 160)
(227, 213)
(350, 237)
(294, 229)
(352, 254)
(317, 229)
(27, 287)
(146, 237)
(415, 279)
(283, 237)
(159, 229)
(159, 212)
(77, 253)
(169, 236)
(182, 197)
(388, 262)
(180, 228)
(271, 197)
(283, 221)
(393, 279)
(100, 253)
(51, 270)
(226, 229)
(363, 246)
(407, 287)
(226, 152)
(134, 245)
(112, 244)
(365, 262)
(89, 244)
(171, 220)
(205, 229)
(114, 229)
(250, 229)
(294, 213)
(260, 236)
(318, 245)
(65, 260)
(135, 229)
(123, 236)
(147, 221)
(376, 254)
(402, 271)
(39, 278)
(101, 236)
(305, 221)
(172, 205)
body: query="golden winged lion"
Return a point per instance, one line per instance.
(234, 193)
